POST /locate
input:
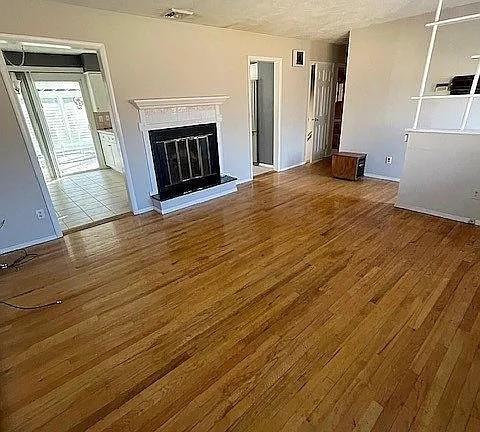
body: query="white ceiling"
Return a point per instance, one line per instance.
(310, 19)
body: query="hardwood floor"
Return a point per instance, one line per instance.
(301, 303)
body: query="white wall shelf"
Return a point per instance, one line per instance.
(469, 97)
(446, 131)
(456, 20)
(462, 96)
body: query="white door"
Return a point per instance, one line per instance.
(324, 96)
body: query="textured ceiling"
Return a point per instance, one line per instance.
(310, 19)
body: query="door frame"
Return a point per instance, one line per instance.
(308, 157)
(337, 67)
(34, 107)
(38, 130)
(100, 50)
(277, 108)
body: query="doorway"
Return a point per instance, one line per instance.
(59, 105)
(320, 111)
(63, 101)
(264, 92)
(340, 81)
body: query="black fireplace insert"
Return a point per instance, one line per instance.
(185, 159)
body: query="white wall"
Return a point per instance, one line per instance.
(20, 193)
(322, 51)
(151, 58)
(385, 68)
(441, 173)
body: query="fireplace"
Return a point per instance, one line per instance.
(184, 150)
(185, 159)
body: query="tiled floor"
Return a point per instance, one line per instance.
(257, 170)
(87, 197)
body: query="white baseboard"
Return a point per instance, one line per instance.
(292, 166)
(265, 165)
(239, 182)
(28, 244)
(382, 177)
(438, 214)
(144, 210)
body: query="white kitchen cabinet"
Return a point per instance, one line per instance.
(98, 92)
(111, 150)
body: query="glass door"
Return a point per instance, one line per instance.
(47, 163)
(62, 101)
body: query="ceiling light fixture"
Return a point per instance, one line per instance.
(174, 13)
(45, 45)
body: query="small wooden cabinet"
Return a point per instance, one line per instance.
(348, 166)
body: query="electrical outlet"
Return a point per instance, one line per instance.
(476, 194)
(388, 160)
(40, 213)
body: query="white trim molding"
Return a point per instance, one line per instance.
(277, 108)
(180, 101)
(28, 244)
(443, 215)
(294, 166)
(247, 180)
(167, 113)
(144, 210)
(381, 177)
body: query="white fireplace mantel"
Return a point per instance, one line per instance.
(179, 101)
(166, 113)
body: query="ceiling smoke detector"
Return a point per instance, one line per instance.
(174, 13)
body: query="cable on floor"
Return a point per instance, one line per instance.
(40, 306)
(26, 257)
(20, 260)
